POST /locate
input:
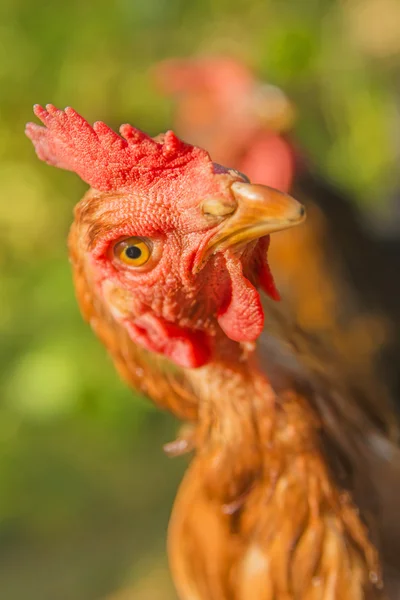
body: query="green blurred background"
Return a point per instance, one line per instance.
(85, 491)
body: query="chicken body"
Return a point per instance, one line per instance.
(168, 252)
(258, 514)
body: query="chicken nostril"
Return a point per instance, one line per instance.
(302, 212)
(218, 207)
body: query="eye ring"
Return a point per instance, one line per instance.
(133, 252)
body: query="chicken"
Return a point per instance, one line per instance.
(284, 498)
(340, 286)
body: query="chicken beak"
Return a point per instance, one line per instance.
(260, 211)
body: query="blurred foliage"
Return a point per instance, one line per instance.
(85, 489)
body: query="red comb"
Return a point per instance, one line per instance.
(102, 158)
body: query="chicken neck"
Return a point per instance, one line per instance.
(259, 504)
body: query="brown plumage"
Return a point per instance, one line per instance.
(288, 494)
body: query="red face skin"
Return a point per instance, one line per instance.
(168, 306)
(178, 301)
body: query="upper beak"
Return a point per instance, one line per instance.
(260, 211)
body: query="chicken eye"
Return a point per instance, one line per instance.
(133, 251)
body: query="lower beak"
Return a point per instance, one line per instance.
(260, 211)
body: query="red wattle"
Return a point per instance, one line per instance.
(267, 282)
(184, 347)
(265, 277)
(242, 318)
